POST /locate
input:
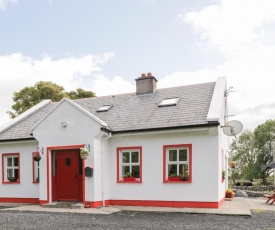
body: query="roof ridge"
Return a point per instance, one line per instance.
(191, 85)
(134, 93)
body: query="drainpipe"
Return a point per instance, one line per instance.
(102, 171)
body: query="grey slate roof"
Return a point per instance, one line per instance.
(22, 129)
(130, 112)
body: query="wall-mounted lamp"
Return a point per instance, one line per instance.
(64, 123)
(41, 151)
(87, 146)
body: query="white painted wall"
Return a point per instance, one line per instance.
(93, 184)
(106, 168)
(205, 158)
(80, 129)
(26, 188)
(223, 148)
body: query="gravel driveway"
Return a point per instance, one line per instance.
(134, 220)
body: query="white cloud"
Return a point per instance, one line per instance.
(18, 71)
(241, 30)
(232, 26)
(251, 74)
(101, 85)
(4, 3)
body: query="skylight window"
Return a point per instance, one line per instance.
(104, 108)
(169, 101)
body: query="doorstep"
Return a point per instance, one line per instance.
(65, 205)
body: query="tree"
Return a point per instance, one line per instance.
(264, 140)
(32, 95)
(243, 152)
(80, 93)
(252, 150)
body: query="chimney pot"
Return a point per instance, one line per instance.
(149, 74)
(143, 75)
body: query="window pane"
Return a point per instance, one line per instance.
(183, 154)
(125, 169)
(125, 157)
(9, 173)
(55, 163)
(135, 171)
(35, 171)
(79, 165)
(172, 155)
(135, 157)
(15, 161)
(172, 170)
(16, 173)
(183, 168)
(169, 101)
(68, 161)
(9, 161)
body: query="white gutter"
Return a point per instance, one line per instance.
(17, 142)
(143, 133)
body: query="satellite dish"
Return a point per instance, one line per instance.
(232, 128)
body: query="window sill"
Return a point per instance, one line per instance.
(8, 182)
(129, 182)
(178, 182)
(127, 179)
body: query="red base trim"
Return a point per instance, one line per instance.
(19, 200)
(41, 202)
(91, 204)
(221, 202)
(172, 204)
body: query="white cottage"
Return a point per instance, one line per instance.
(168, 142)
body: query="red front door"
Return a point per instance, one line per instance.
(66, 175)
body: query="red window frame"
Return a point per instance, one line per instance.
(131, 148)
(165, 147)
(4, 155)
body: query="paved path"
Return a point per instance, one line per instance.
(236, 206)
(260, 204)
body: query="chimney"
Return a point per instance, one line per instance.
(146, 84)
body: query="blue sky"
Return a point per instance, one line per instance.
(104, 45)
(143, 34)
